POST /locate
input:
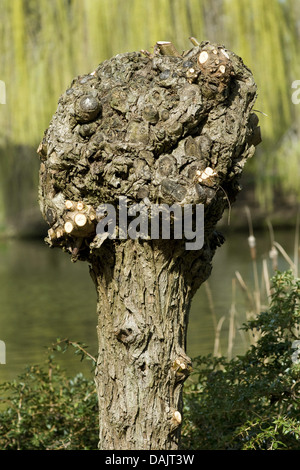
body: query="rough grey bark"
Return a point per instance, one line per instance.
(161, 128)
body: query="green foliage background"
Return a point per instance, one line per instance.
(45, 44)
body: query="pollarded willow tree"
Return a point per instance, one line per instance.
(163, 128)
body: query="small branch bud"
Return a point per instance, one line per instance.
(182, 368)
(177, 417)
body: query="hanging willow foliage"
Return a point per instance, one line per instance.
(45, 44)
(264, 33)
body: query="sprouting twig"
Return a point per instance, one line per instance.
(76, 345)
(194, 41)
(258, 111)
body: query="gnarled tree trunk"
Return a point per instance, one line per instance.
(144, 295)
(166, 128)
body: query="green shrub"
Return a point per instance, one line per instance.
(252, 401)
(47, 410)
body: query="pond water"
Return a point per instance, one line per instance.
(44, 296)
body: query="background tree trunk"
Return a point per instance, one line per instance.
(163, 128)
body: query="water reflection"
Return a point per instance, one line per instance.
(44, 296)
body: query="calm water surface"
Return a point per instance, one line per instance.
(44, 296)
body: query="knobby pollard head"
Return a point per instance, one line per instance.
(163, 127)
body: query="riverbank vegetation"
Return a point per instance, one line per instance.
(44, 45)
(251, 402)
